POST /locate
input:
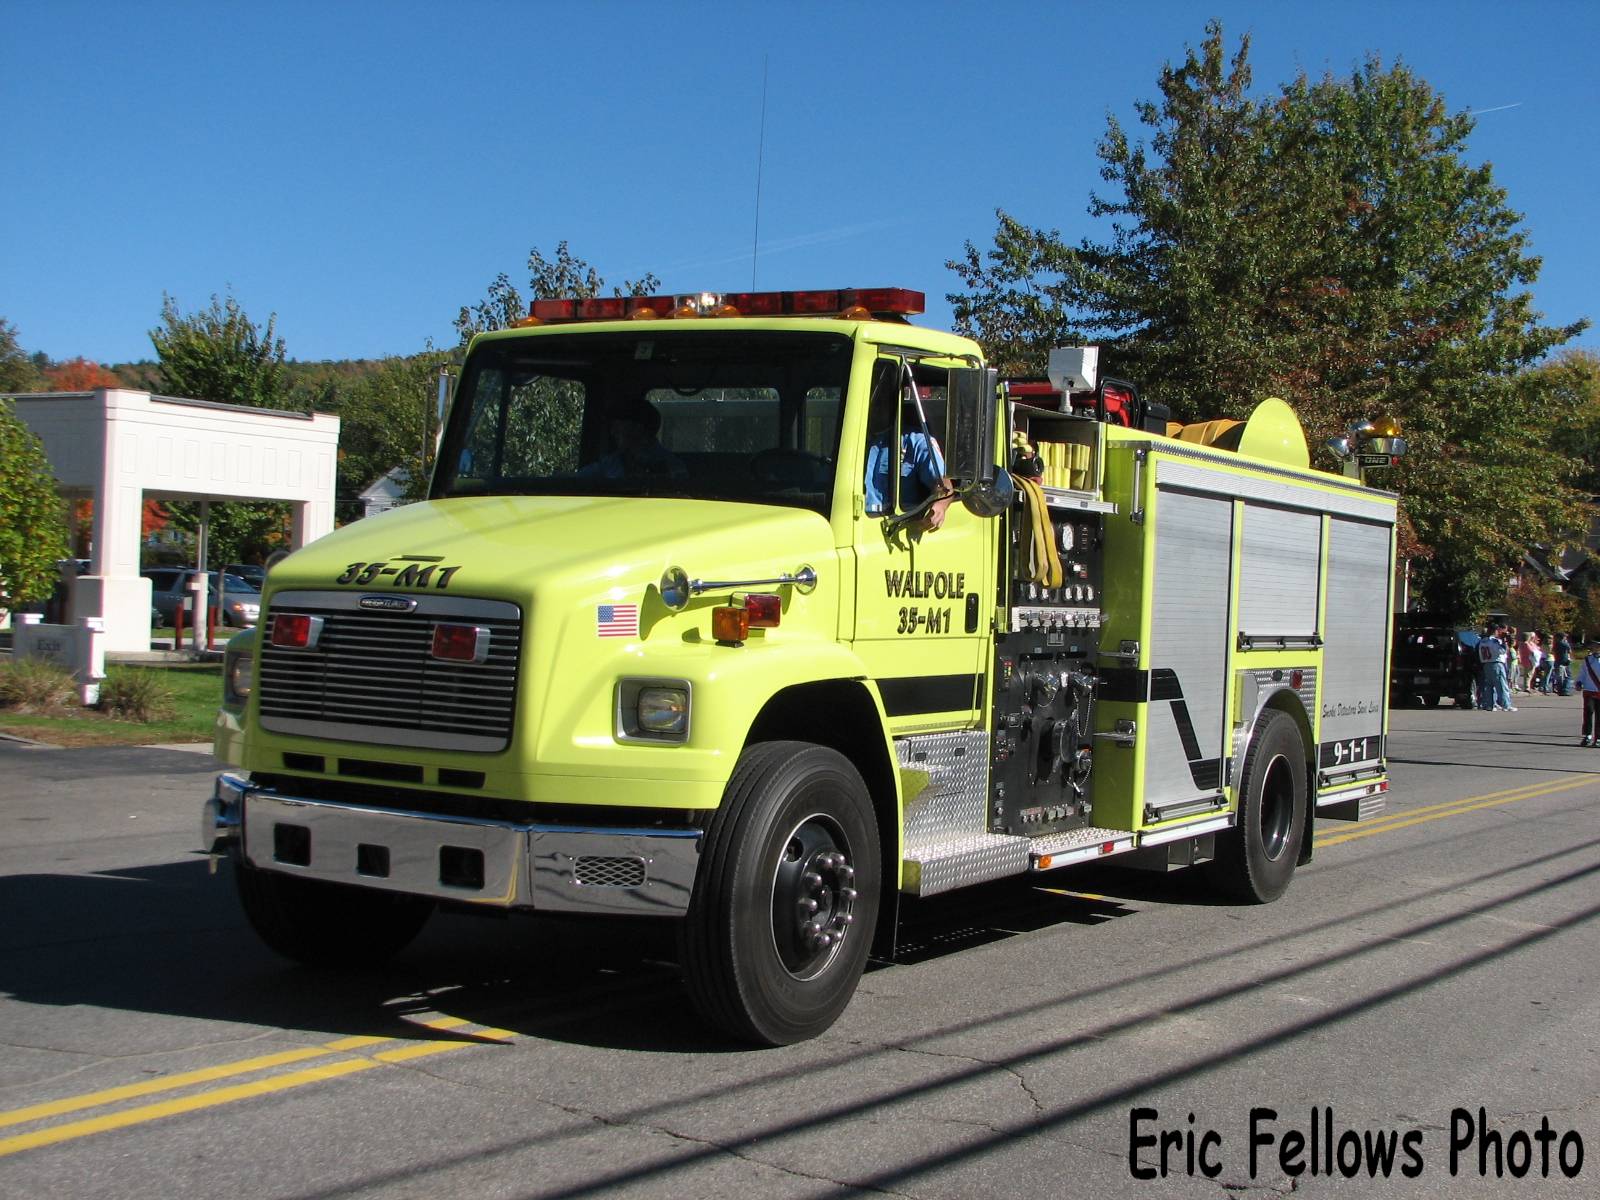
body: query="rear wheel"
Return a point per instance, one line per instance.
(778, 931)
(328, 924)
(1256, 860)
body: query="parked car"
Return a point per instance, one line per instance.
(1430, 662)
(252, 573)
(170, 585)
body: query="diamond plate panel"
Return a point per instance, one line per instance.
(961, 862)
(1074, 839)
(954, 804)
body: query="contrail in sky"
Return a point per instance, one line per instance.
(1478, 112)
(781, 245)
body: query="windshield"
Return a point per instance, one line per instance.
(731, 415)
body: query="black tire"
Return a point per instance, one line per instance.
(1256, 859)
(1427, 701)
(328, 924)
(786, 898)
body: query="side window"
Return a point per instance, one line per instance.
(905, 413)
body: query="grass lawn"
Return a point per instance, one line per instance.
(196, 690)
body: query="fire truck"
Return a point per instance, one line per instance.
(759, 612)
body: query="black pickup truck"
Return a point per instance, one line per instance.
(1429, 662)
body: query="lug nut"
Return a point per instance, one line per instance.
(811, 879)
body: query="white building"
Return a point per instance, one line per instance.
(120, 448)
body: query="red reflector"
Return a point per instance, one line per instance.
(1296, 678)
(460, 643)
(291, 631)
(730, 624)
(757, 304)
(765, 610)
(553, 310)
(889, 300)
(815, 302)
(603, 308)
(1107, 847)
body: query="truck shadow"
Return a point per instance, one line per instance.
(170, 940)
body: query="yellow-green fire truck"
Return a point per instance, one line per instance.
(756, 612)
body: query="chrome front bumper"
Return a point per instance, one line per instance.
(499, 864)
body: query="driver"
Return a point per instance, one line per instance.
(921, 465)
(638, 450)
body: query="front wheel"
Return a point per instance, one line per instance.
(1256, 859)
(328, 924)
(786, 899)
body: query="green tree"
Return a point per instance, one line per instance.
(219, 354)
(387, 420)
(33, 528)
(1331, 245)
(18, 371)
(565, 275)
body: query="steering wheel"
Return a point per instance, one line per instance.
(791, 468)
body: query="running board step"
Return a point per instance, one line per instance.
(978, 857)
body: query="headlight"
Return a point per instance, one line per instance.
(653, 710)
(664, 710)
(241, 676)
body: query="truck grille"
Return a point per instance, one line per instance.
(372, 678)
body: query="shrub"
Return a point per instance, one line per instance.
(32, 685)
(134, 695)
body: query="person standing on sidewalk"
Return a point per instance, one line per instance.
(1589, 684)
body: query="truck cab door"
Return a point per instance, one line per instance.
(924, 597)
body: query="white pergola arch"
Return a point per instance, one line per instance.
(120, 447)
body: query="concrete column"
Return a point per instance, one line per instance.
(113, 592)
(312, 519)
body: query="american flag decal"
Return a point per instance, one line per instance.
(617, 620)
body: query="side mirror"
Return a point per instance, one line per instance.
(991, 498)
(969, 457)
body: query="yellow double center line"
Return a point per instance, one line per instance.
(1454, 808)
(140, 1114)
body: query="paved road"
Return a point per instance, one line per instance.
(1441, 959)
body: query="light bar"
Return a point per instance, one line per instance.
(853, 303)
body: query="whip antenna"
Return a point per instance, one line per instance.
(761, 145)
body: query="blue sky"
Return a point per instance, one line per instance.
(363, 170)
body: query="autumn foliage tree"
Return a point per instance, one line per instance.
(79, 375)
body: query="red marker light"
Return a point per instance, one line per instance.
(765, 610)
(295, 631)
(460, 643)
